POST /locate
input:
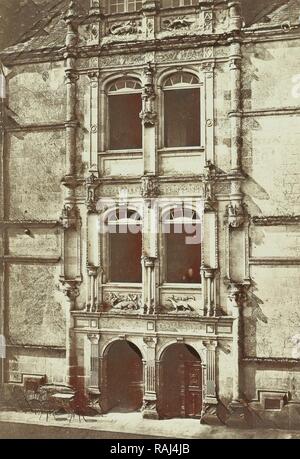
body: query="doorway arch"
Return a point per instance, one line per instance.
(124, 377)
(180, 382)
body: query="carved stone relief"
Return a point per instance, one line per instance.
(119, 302)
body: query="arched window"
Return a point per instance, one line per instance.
(124, 227)
(181, 110)
(124, 6)
(176, 3)
(182, 235)
(124, 107)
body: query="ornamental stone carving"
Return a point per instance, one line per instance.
(129, 302)
(236, 214)
(149, 187)
(131, 27)
(70, 216)
(181, 304)
(181, 22)
(148, 113)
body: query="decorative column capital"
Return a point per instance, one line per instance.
(94, 338)
(92, 270)
(208, 273)
(148, 262)
(71, 290)
(150, 341)
(211, 345)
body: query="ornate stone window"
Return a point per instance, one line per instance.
(123, 6)
(124, 229)
(181, 228)
(181, 110)
(124, 107)
(177, 3)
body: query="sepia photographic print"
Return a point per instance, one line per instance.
(149, 221)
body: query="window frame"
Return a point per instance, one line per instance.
(181, 5)
(110, 93)
(163, 249)
(202, 114)
(126, 11)
(107, 244)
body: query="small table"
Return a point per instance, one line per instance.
(65, 401)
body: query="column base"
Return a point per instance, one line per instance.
(209, 413)
(149, 410)
(237, 415)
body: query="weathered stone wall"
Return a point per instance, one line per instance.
(36, 93)
(271, 161)
(36, 315)
(34, 166)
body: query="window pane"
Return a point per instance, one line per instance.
(182, 118)
(183, 260)
(125, 124)
(125, 256)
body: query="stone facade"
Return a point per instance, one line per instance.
(60, 313)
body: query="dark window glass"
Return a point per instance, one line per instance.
(125, 127)
(182, 117)
(183, 259)
(125, 255)
(272, 404)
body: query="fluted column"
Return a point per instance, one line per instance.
(94, 360)
(149, 408)
(209, 414)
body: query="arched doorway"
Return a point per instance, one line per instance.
(124, 377)
(180, 382)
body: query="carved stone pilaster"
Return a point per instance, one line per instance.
(236, 212)
(148, 113)
(92, 305)
(94, 359)
(208, 184)
(148, 264)
(209, 291)
(209, 413)
(149, 409)
(237, 296)
(92, 184)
